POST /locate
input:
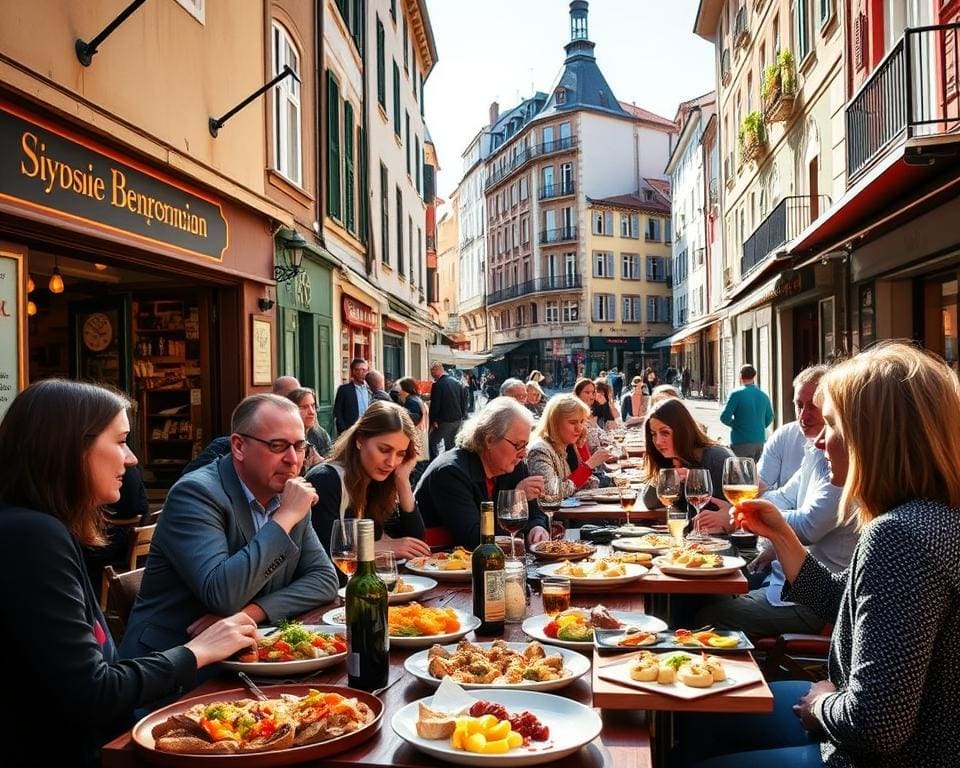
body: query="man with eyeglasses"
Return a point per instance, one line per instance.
(235, 535)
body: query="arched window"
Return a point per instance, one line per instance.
(287, 135)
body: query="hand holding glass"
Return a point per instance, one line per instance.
(343, 545)
(512, 514)
(740, 482)
(698, 490)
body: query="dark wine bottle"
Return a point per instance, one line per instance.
(368, 641)
(489, 590)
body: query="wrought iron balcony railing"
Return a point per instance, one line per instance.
(555, 190)
(559, 235)
(539, 285)
(524, 156)
(784, 223)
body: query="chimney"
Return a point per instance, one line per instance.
(494, 112)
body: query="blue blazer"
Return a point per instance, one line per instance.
(207, 557)
(346, 410)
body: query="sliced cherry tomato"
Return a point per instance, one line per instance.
(551, 629)
(339, 646)
(682, 632)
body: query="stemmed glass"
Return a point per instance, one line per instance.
(740, 482)
(386, 566)
(698, 490)
(550, 500)
(343, 545)
(512, 514)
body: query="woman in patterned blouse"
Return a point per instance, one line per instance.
(893, 414)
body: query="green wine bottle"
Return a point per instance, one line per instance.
(489, 592)
(368, 640)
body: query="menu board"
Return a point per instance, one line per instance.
(11, 328)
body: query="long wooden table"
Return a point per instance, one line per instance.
(624, 742)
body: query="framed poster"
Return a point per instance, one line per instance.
(262, 356)
(12, 327)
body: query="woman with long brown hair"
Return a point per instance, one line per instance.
(63, 454)
(368, 476)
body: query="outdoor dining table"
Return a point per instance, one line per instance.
(625, 739)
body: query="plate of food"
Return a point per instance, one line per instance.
(633, 637)
(531, 666)
(292, 649)
(575, 628)
(569, 503)
(599, 495)
(681, 674)
(653, 543)
(633, 530)
(562, 550)
(545, 728)
(682, 562)
(297, 723)
(408, 588)
(417, 626)
(444, 566)
(594, 574)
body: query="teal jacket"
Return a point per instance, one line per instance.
(748, 413)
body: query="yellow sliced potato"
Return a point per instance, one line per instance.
(477, 742)
(496, 747)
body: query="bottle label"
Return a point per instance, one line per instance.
(494, 596)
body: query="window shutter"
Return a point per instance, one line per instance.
(381, 66)
(333, 146)
(635, 225)
(608, 223)
(611, 307)
(596, 306)
(348, 175)
(396, 98)
(363, 197)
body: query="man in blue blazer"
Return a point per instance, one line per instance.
(235, 535)
(352, 398)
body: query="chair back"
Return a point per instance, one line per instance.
(140, 544)
(120, 590)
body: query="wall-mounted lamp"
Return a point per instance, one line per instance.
(56, 279)
(291, 256)
(216, 123)
(86, 51)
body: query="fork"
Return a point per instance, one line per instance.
(252, 686)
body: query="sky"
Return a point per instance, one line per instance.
(502, 50)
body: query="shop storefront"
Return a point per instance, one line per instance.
(123, 274)
(394, 365)
(359, 322)
(630, 354)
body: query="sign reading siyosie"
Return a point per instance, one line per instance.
(45, 167)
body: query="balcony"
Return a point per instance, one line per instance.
(551, 191)
(560, 235)
(784, 223)
(539, 285)
(912, 93)
(522, 158)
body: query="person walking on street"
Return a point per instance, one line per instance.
(352, 398)
(748, 413)
(446, 410)
(685, 378)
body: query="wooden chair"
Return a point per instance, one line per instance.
(118, 596)
(795, 656)
(140, 544)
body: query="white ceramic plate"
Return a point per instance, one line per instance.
(643, 544)
(739, 675)
(289, 668)
(534, 625)
(575, 663)
(468, 623)
(730, 565)
(571, 726)
(421, 585)
(425, 566)
(633, 530)
(632, 573)
(569, 503)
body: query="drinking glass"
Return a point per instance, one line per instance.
(677, 523)
(386, 565)
(550, 500)
(740, 482)
(512, 514)
(628, 497)
(343, 545)
(555, 591)
(668, 486)
(698, 490)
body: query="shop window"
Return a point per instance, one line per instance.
(286, 107)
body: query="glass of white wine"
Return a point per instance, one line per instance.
(698, 490)
(740, 482)
(669, 483)
(386, 566)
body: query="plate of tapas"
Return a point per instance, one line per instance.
(575, 628)
(562, 549)
(531, 666)
(292, 649)
(417, 626)
(636, 636)
(443, 566)
(680, 674)
(652, 543)
(504, 728)
(407, 588)
(298, 723)
(682, 562)
(595, 574)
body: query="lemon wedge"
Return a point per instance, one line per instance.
(721, 641)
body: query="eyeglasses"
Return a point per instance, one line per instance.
(277, 445)
(516, 446)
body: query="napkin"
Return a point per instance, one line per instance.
(451, 698)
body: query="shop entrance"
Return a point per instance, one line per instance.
(139, 332)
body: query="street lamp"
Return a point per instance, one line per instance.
(291, 256)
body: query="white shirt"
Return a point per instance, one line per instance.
(782, 455)
(363, 397)
(809, 503)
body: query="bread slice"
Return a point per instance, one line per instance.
(432, 724)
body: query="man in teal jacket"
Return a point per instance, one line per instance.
(748, 413)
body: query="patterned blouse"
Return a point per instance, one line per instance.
(895, 653)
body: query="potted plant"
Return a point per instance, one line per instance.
(752, 136)
(771, 81)
(788, 74)
(778, 88)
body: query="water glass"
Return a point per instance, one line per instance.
(386, 565)
(555, 591)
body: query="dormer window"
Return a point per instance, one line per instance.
(561, 95)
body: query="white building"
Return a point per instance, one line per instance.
(472, 243)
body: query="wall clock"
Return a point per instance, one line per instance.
(97, 332)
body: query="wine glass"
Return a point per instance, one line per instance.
(386, 566)
(628, 497)
(512, 514)
(668, 486)
(343, 545)
(698, 489)
(550, 500)
(740, 482)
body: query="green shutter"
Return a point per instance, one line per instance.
(396, 98)
(381, 66)
(417, 177)
(358, 25)
(364, 196)
(408, 143)
(333, 146)
(349, 219)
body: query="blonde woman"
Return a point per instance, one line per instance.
(553, 453)
(892, 420)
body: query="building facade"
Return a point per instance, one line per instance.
(472, 243)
